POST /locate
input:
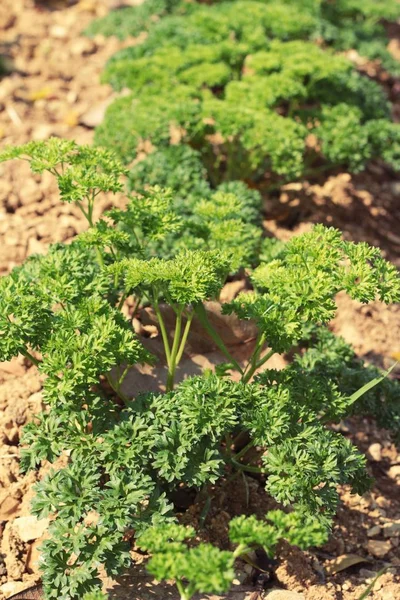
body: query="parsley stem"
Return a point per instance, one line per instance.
(241, 549)
(202, 316)
(182, 590)
(164, 333)
(260, 341)
(115, 386)
(228, 444)
(184, 337)
(248, 468)
(122, 377)
(29, 356)
(83, 211)
(246, 378)
(174, 350)
(122, 300)
(244, 450)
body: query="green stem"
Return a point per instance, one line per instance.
(122, 377)
(182, 590)
(29, 356)
(89, 217)
(164, 333)
(174, 351)
(202, 316)
(184, 337)
(241, 549)
(116, 389)
(248, 468)
(136, 305)
(90, 209)
(243, 451)
(256, 366)
(100, 259)
(122, 300)
(83, 211)
(255, 355)
(228, 444)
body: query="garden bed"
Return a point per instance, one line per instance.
(54, 91)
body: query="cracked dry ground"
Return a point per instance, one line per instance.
(55, 90)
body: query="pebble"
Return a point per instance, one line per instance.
(35, 247)
(382, 502)
(13, 367)
(391, 529)
(58, 31)
(231, 290)
(35, 402)
(82, 47)
(395, 188)
(33, 557)
(12, 587)
(346, 586)
(379, 548)
(95, 115)
(375, 452)
(30, 528)
(367, 574)
(394, 472)
(283, 595)
(389, 593)
(42, 132)
(9, 507)
(374, 531)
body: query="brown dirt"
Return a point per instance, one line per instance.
(54, 86)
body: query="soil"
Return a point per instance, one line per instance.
(55, 89)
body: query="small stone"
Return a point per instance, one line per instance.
(7, 20)
(283, 595)
(57, 31)
(395, 541)
(83, 47)
(391, 529)
(11, 432)
(35, 247)
(42, 132)
(394, 472)
(375, 452)
(9, 507)
(378, 548)
(390, 592)
(12, 587)
(33, 557)
(35, 402)
(366, 574)
(30, 528)
(248, 570)
(95, 115)
(374, 531)
(13, 367)
(231, 290)
(382, 502)
(29, 193)
(346, 586)
(395, 188)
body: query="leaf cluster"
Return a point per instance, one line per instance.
(246, 97)
(207, 569)
(345, 24)
(129, 21)
(300, 285)
(118, 457)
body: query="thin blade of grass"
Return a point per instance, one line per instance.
(369, 589)
(370, 385)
